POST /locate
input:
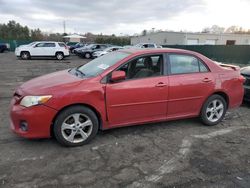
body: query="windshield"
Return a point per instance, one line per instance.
(90, 46)
(97, 66)
(30, 44)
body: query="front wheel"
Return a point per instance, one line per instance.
(213, 110)
(25, 55)
(75, 126)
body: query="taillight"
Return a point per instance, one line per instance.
(242, 79)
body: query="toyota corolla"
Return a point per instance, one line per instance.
(127, 87)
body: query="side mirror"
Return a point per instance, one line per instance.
(118, 75)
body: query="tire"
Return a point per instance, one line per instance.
(25, 55)
(213, 110)
(59, 55)
(75, 126)
(87, 55)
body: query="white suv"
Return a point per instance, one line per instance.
(43, 49)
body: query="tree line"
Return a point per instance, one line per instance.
(15, 31)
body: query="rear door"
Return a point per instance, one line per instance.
(50, 49)
(142, 97)
(190, 82)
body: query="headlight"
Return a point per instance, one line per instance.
(28, 101)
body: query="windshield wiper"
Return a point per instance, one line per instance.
(79, 71)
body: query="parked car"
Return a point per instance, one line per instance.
(43, 49)
(87, 51)
(69, 44)
(77, 50)
(106, 50)
(145, 45)
(78, 45)
(245, 71)
(122, 88)
(3, 48)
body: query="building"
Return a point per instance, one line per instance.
(183, 38)
(74, 38)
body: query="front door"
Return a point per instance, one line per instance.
(142, 96)
(38, 49)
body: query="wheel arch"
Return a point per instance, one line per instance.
(224, 95)
(76, 104)
(59, 52)
(22, 51)
(220, 93)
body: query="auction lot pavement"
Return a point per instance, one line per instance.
(170, 154)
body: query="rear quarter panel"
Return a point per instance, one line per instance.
(233, 87)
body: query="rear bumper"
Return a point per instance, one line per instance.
(247, 93)
(38, 118)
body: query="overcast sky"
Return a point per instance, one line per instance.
(125, 16)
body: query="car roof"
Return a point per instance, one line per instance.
(141, 51)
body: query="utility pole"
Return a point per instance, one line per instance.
(64, 27)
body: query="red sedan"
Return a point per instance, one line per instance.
(124, 88)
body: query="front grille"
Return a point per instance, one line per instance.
(17, 95)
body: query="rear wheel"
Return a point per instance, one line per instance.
(213, 110)
(25, 55)
(59, 56)
(75, 126)
(87, 55)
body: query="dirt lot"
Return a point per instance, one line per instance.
(170, 154)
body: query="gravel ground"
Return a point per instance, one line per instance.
(169, 154)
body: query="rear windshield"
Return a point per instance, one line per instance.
(98, 65)
(62, 44)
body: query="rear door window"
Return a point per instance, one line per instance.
(49, 44)
(183, 64)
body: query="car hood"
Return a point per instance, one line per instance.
(49, 83)
(23, 46)
(245, 70)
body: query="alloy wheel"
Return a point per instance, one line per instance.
(59, 56)
(76, 128)
(215, 110)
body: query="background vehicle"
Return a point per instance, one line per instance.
(78, 45)
(245, 71)
(122, 88)
(3, 48)
(145, 45)
(87, 51)
(106, 50)
(43, 49)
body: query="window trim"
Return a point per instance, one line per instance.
(36, 45)
(164, 73)
(185, 54)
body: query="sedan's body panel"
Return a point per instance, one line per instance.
(128, 102)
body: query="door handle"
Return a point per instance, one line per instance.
(206, 80)
(160, 84)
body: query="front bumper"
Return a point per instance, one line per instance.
(38, 118)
